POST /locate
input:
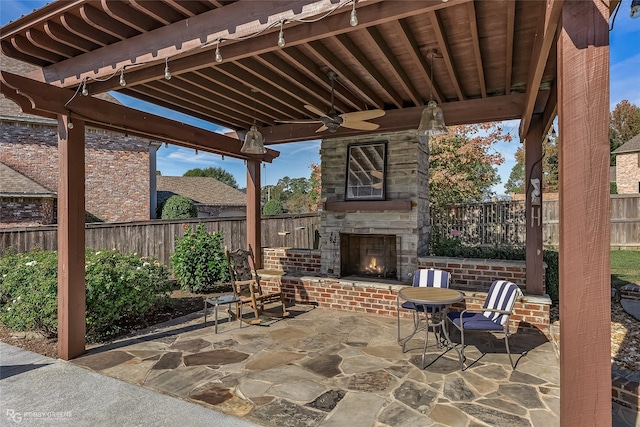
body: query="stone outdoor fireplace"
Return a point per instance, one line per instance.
(375, 217)
(368, 255)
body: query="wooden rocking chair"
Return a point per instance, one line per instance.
(246, 285)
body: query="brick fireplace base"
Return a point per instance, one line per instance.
(302, 283)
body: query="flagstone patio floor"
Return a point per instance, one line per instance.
(323, 367)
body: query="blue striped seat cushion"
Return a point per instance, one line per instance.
(475, 321)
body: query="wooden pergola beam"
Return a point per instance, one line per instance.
(110, 116)
(456, 113)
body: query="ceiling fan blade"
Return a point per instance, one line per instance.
(376, 174)
(377, 185)
(302, 121)
(362, 115)
(315, 110)
(322, 128)
(358, 125)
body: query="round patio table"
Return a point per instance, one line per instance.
(427, 296)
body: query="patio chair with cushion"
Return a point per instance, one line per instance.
(246, 285)
(492, 317)
(425, 278)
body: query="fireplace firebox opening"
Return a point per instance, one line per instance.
(368, 255)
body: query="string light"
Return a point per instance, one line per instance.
(218, 54)
(222, 157)
(196, 151)
(69, 121)
(281, 41)
(167, 74)
(353, 20)
(123, 82)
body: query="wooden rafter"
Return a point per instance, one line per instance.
(446, 54)
(511, 18)
(545, 37)
(475, 42)
(356, 54)
(409, 41)
(394, 65)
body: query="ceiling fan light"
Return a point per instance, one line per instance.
(253, 142)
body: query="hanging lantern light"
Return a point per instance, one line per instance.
(432, 118)
(253, 140)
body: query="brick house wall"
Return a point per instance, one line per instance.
(117, 168)
(628, 173)
(27, 210)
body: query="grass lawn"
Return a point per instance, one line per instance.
(625, 268)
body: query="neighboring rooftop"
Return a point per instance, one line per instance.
(202, 190)
(631, 146)
(13, 183)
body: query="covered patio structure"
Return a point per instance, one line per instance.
(236, 63)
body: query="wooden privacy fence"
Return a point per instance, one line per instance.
(157, 237)
(503, 222)
(489, 223)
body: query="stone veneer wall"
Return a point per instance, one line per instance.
(299, 285)
(117, 170)
(406, 179)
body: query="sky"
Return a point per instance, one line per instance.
(295, 159)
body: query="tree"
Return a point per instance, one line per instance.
(516, 182)
(462, 164)
(624, 124)
(217, 173)
(272, 207)
(179, 207)
(316, 186)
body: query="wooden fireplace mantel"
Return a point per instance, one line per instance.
(369, 205)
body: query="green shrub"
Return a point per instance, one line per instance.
(199, 263)
(29, 292)
(453, 247)
(179, 207)
(121, 290)
(272, 207)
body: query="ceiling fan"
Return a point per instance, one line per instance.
(331, 121)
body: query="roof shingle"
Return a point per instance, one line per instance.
(202, 190)
(13, 183)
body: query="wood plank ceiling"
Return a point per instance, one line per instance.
(492, 62)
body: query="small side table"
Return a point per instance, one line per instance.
(216, 301)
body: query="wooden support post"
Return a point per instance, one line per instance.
(583, 150)
(71, 245)
(533, 186)
(254, 210)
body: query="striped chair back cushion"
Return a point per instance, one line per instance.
(502, 296)
(431, 278)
